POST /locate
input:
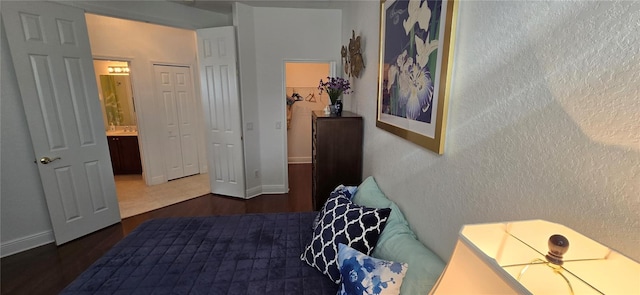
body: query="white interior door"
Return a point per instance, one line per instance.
(221, 102)
(50, 50)
(175, 88)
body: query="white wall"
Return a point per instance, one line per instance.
(243, 21)
(543, 123)
(145, 45)
(23, 211)
(286, 34)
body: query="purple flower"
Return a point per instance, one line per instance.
(335, 86)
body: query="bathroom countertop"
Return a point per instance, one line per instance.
(122, 133)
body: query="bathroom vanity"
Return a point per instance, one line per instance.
(125, 152)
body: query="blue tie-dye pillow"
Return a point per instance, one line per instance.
(362, 274)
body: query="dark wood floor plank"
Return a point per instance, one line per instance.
(48, 269)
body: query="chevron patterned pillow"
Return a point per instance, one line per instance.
(343, 222)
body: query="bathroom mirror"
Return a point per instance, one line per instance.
(117, 100)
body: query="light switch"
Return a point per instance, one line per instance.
(278, 125)
(250, 126)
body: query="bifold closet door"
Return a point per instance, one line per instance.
(175, 90)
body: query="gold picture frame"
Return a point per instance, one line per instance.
(416, 40)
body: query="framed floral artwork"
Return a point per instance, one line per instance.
(416, 49)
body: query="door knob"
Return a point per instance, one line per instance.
(47, 160)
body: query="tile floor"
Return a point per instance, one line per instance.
(135, 197)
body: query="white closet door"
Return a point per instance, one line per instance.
(49, 46)
(175, 89)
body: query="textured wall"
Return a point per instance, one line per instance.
(544, 121)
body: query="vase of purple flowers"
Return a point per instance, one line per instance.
(335, 87)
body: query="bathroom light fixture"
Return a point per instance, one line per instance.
(118, 70)
(519, 258)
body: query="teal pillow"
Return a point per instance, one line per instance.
(399, 243)
(369, 195)
(425, 267)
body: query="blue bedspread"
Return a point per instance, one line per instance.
(239, 254)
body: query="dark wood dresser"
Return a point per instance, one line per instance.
(336, 152)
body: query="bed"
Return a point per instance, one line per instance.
(303, 253)
(239, 254)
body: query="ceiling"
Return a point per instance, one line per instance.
(225, 6)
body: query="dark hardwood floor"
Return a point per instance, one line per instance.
(48, 269)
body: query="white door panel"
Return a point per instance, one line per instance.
(187, 117)
(176, 90)
(172, 149)
(218, 72)
(50, 50)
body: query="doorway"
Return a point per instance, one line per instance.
(117, 101)
(119, 115)
(302, 98)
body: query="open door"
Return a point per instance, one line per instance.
(50, 50)
(221, 103)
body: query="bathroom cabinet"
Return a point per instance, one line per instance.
(125, 154)
(336, 152)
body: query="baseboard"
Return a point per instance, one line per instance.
(274, 189)
(299, 160)
(254, 192)
(157, 180)
(26, 243)
(265, 190)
